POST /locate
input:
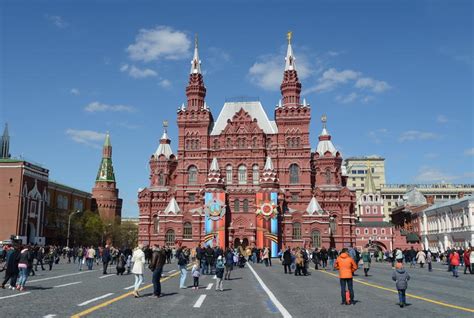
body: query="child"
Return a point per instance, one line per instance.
(401, 277)
(219, 273)
(195, 272)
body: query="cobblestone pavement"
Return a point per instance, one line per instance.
(254, 291)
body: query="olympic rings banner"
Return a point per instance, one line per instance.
(267, 221)
(214, 219)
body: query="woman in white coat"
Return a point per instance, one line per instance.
(138, 259)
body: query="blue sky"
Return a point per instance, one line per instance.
(395, 78)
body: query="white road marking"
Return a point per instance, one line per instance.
(275, 301)
(108, 275)
(94, 299)
(130, 287)
(209, 286)
(49, 316)
(172, 271)
(5, 297)
(199, 301)
(60, 276)
(64, 285)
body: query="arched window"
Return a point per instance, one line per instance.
(357, 231)
(156, 224)
(375, 210)
(254, 142)
(192, 175)
(236, 205)
(328, 176)
(255, 174)
(229, 143)
(170, 237)
(187, 230)
(374, 231)
(298, 141)
(245, 205)
(297, 231)
(228, 174)
(294, 173)
(316, 236)
(288, 142)
(366, 231)
(161, 179)
(242, 174)
(383, 231)
(216, 144)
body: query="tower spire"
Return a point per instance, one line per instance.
(5, 144)
(290, 87)
(369, 186)
(164, 148)
(106, 169)
(195, 91)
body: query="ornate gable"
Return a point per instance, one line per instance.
(242, 123)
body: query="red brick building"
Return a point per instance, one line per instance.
(245, 179)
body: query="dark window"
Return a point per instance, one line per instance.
(245, 205)
(170, 237)
(297, 231)
(294, 173)
(192, 175)
(187, 231)
(192, 197)
(236, 205)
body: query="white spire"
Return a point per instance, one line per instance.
(268, 164)
(325, 144)
(214, 165)
(279, 102)
(196, 62)
(304, 102)
(172, 207)
(290, 57)
(205, 105)
(314, 207)
(183, 107)
(164, 147)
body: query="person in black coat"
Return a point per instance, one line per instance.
(106, 257)
(287, 260)
(12, 271)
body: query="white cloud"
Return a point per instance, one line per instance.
(57, 20)
(75, 91)
(347, 99)
(86, 137)
(331, 78)
(165, 83)
(367, 99)
(469, 152)
(442, 119)
(374, 85)
(412, 135)
(267, 72)
(136, 72)
(160, 42)
(429, 174)
(431, 155)
(100, 107)
(377, 135)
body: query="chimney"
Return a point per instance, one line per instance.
(430, 199)
(461, 195)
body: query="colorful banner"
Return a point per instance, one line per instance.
(214, 219)
(267, 221)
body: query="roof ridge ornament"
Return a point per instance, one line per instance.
(290, 57)
(196, 62)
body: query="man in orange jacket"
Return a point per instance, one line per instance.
(346, 266)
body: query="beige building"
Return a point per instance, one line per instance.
(356, 170)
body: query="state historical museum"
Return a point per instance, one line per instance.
(243, 179)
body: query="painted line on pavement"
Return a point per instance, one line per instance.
(60, 276)
(94, 299)
(130, 287)
(272, 297)
(209, 286)
(64, 285)
(199, 301)
(49, 316)
(123, 296)
(11, 296)
(172, 271)
(108, 275)
(440, 303)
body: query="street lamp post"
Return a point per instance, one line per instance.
(69, 225)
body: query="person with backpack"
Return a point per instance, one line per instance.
(24, 264)
(366, 260)
(346, 266)
(401, 278)
(229, 263)
(219, 273)
(196, 273)
(158, 260)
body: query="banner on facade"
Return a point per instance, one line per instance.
(267, 221)
(214, 219)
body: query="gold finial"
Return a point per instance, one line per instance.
(196, 40)
(324, 119)
(288, 36)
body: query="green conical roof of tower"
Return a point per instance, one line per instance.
(106, 171)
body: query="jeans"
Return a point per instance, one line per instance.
(287, 266)
(219, 284)
(343, 282)
(90, 263)
(23, 276)
(105, 265)
(182, 278)
(195, 282)
(79, 263)
(455, 271)
(331, 263)
(156, 281)
(430, 267)
(138, 281)
(325, 263)
(401, 296)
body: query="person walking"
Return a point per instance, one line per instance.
(219, 273)
(196, 273)
(366, 260)
(12, 270)
(454, 261)
(138, 259)
(39, 258)
(421, 258)
(182, 263)
(429, 260)
(401, 278)
(299, 262)
(158, 260)
(106, 258)
(265, 256)
(49, 258)
(287, 260)
(25, 262)
(229, 263)
(346, 266)
(80, 258)
(315, 258)
(90, 255)
(467, 261)
(471, 260)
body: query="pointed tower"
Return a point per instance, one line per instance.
(196, 91)
(269, 177)
(105, 193)
(214, 179)
(291, 86)
(370, 202)
(162, 162)
(5, 144)
(328, 160)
